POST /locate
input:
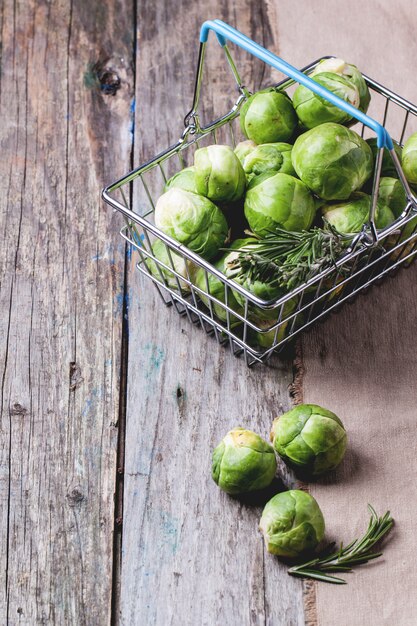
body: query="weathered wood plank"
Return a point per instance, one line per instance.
(61, 291)
(191, 555)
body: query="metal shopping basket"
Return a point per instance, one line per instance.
(372, 255)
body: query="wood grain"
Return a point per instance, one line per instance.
(191, 554)
(63, 134)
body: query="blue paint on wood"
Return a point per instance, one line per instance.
(154, 357)
(90, 403)
(132, 117)
(169, 531)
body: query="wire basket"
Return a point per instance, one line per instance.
(257, 328)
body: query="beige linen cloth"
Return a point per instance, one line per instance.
(362, 364)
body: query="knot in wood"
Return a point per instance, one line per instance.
(75, 378)
(109, 81)
(18, 409)
(75, 497)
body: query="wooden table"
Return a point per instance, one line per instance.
(111, 404)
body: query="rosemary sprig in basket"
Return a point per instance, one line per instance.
(287, 258)
(345, 558)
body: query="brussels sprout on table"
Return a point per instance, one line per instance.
(309, 438)
(268, 116)
(332, 160)
(184, 179)
(392, 194)
(219, 174)
(349, 216)
(409, 160)
(338, 66)
(292, 524)
(268, 157)
(313, 109)
(278, 200)
(387, 168)
(192, 220)
(243, 462)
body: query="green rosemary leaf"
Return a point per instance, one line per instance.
(288, 259)
(316, 576)
(344, 558)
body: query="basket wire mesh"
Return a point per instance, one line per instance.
(259, 328)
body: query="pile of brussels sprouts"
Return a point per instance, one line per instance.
(311, 440)
(300, 164)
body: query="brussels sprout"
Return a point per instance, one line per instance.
(260, 289)
(392, 194)
(244, 148)
(408, 230)
(268, 116)
(313, 110)
(292, 524)
(217, 287)
(309, 438)
(350, 216)
(410, 159)
(192, 220)
(387, 167)
(338, 66)
(243, 462)
(278, 200)
(332, 161)
(268, 157)
(160, 252)
(185, 179)
(265, 320)
(219, 174)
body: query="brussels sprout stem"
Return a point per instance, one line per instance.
(345, 558)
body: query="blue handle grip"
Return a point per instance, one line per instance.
(226, 33)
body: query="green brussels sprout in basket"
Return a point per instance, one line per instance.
(257, 287)
(349, 71)
(269, 335)
(309, 438)
(268, 116)
(387, 168)
(392, 194)
(244, 148)
(265, 319)
(179, 263)
(292, 524)
(184, 179)
(217, 287)
(313, 109)
(278, 200)
(349, 216)
(243, 462)
(268, 157)
(219, 174)
(193, 220)
(332, 160)
(409, 160)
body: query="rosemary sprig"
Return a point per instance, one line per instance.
(345, 558)
(288, 259)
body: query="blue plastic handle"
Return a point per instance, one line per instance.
(226, 33)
